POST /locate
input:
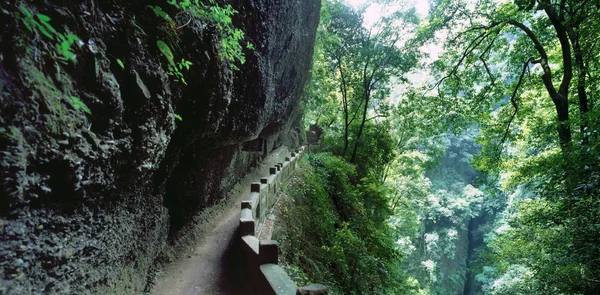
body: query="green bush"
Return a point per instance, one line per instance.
(329, 236)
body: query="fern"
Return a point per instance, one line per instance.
(231, 38)
(174, 69)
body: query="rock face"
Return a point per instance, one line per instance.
(87, 201)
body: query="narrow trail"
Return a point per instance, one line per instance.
(212, 265)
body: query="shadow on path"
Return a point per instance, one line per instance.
(213, 265)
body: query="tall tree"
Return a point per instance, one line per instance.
(339, 36)
(521, 70)
(493, 37)
(361, 62)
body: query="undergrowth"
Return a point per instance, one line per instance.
(327, 235)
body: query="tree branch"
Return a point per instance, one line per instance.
(470, 48)
(561, 31)
(356, 112)
(375, 117)
(487, 69)
(515, 105)
(547, 76)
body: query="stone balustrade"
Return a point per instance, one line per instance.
(261, 256)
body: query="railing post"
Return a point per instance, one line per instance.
(268, 251)
(247, 224)
(255, 187)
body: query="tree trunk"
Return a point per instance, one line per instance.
(360, 129)
(561, 98)
(345, 106)
(581, 82)
(562, 109)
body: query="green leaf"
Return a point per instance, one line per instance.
(79, 105)
(160, 13)
(166, 51)
(28, 26)
(25, 11)
(43, 17)
(178, 117)
(50, 28)
(72, 38)
(42, 29)
(120, 63)
(64, 47)
(70, 55)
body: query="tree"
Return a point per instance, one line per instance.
(510, 68)
(484, 45)
(361, 62)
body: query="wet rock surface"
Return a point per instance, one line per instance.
(88, 201)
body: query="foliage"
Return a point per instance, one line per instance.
(174, 68)
(120, 63)
(555, 240)
(167, 28)
(54, 96)
(352, 72)
(41, 24)
(221, 17)
(230, 38)
(516, 83)
(346, 242)
(79, 105)
(516, 69)
(438, 249)
(166, 52)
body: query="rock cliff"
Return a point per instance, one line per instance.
(89, 197)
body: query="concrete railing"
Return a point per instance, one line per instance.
(261, 256)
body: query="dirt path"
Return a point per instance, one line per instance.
(212, 265)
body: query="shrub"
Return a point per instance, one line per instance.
(328, 236)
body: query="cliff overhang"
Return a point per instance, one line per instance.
(96, 168)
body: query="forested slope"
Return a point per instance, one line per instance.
(477, 122)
